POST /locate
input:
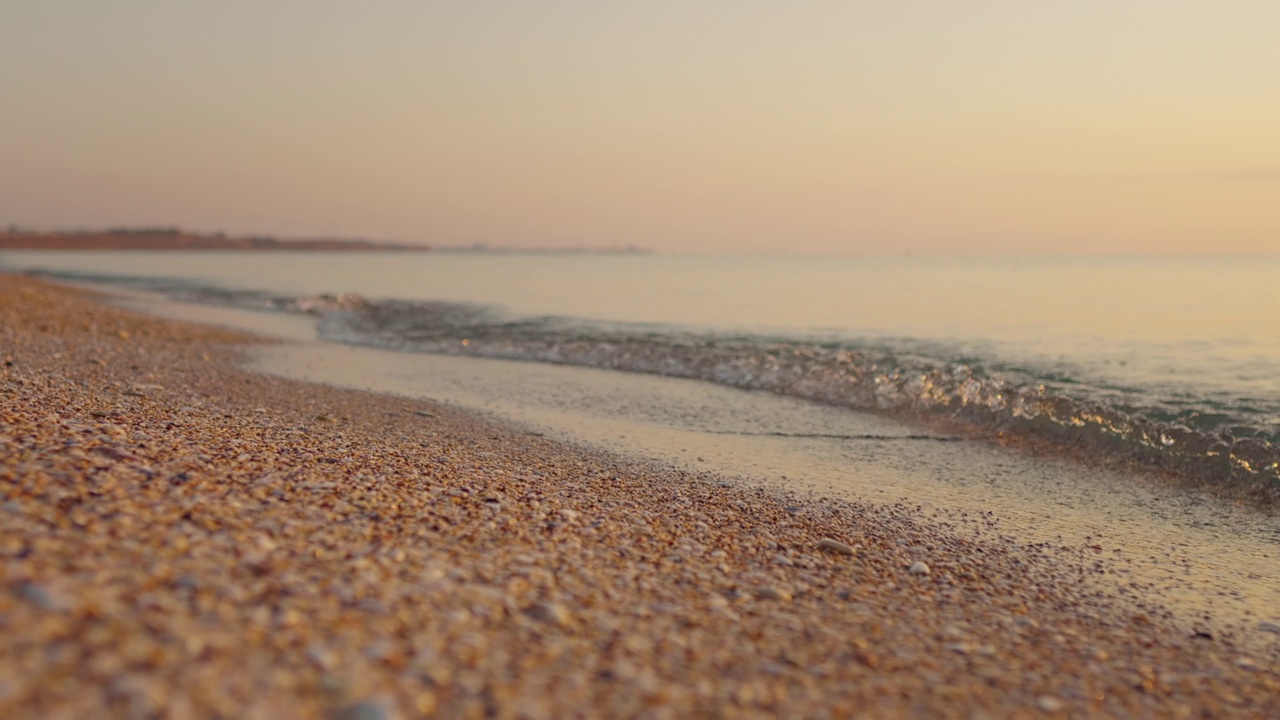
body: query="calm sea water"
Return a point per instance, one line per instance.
(1172, 362)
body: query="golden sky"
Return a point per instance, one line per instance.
(930, 126)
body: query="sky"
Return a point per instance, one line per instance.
(923, 126)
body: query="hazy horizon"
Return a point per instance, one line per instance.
(813, 128)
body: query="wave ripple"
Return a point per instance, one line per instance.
(1230, 442)
(1209, 443)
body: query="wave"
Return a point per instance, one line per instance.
(1201, 438)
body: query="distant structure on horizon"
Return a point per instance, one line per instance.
(173, 238)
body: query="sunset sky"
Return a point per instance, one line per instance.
(929, 126)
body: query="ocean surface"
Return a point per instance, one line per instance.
(1170, 363)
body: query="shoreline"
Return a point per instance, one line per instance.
(186, 536)
(1207, 560)
(1130, 449)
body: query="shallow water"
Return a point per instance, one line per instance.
(1172, 363)
(1209, 562)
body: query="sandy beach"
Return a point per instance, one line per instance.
(184, 538)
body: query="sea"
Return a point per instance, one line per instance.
(1171, 364)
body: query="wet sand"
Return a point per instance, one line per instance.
(184, 538)
(1207, 561)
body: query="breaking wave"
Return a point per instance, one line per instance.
(1232, 441)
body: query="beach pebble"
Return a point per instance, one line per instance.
(365, 710)
(424, 413)
(865, 658)
(1269, 627)
(322, 657)
(41, 597)
(143, 389)
(549, 613)
(918, 568)
(1049, 703)
(769, 592)
(835, 546)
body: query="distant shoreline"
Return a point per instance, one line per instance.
(176, 239)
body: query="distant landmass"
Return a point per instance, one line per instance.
(178, 239)
(173, 238)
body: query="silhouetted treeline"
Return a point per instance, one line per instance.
(174, 238)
